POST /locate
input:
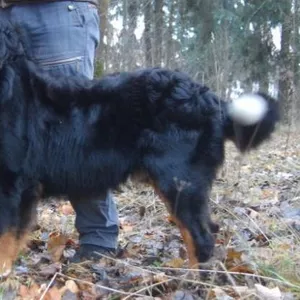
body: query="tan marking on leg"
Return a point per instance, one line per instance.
(8, 252)
(189, 243)
(186, 236)
(10, 247)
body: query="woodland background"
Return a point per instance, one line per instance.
(230, 45)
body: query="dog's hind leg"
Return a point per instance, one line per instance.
(16, 209)
(8, 251)
(8, 231)
(27, 213)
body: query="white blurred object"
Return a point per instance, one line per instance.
(248, 109)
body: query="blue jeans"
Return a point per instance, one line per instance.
(63, 38)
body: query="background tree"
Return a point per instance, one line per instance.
(231, 45)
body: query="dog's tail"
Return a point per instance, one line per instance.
(250, 120)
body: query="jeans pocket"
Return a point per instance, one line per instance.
(56, 62)
(63, 67)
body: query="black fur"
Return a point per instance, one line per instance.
(79, 138)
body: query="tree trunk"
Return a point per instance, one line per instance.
(131, 41)
(158, 31)
(286, 66)
(169, 50)
(296, 41)
(225, 78)
(147, 33)
(182, 9)
(264, 71)
(296, 53)
(206, 15)
(103, 13)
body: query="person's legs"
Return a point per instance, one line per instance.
(63, 37)
(97, 222)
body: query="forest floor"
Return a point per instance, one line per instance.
(255, 199)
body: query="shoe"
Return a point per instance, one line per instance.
(92, 252)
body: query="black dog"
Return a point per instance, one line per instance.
(79, 138)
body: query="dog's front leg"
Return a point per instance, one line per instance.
(187, 202)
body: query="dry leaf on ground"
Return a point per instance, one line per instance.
(56, 245)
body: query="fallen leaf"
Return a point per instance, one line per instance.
(70, 286)
(160, 277)
(56, 245)
(174, 263)
(242, 291)
(241, 269)
(127, 228)
(268, 193)
(261, 238)
(219, 293)
(53, 294)
(67, 209)
(29, 293)
(232, 254)
(267, 293)
(233, 258)
(253, 214)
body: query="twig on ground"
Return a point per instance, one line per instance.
(48, 286)
(228, 272)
